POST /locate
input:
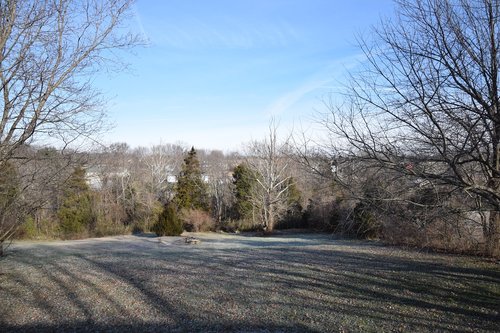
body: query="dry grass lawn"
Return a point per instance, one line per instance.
(240, 283)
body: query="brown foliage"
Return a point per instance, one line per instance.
(462, 236)
(197, 220)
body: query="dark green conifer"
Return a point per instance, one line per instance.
(168, 223)
(191, 190)
(75, 213)
(243, 181)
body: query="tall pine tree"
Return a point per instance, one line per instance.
(75, 213)
(243, 180)
(191, 190)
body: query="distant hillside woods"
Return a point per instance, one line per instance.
(120, 190)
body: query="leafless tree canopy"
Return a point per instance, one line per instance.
(271, 166)
(426, 101)
(49, 51)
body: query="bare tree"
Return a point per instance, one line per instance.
(269, 162)
(163, 162)
(218, 171)
(425, 103)
(49, 51)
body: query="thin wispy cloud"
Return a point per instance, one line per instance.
(139, 24)
(215, 71)
(227, 33)
(285, 101)
(324, 81)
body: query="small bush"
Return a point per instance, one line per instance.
(108, 228)
(147, 218)
(139, 228)
(293, 219)
(441, 230)
(40, 227)
(365, 224)
(168, 223)
(28, 229)
(325, 216)
(197, 220)
(76, 216)
(240, 225)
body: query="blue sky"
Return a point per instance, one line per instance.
(215, 72)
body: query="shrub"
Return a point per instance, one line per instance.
(76, 215)
(42, 225)
(365, 224)
(197, 220)
(28, 229)
(147, 217)
(240, 225)
(138, 228)
(10, 205)
(325, 216)
(168, 223)
(439, 228)
(105, 227)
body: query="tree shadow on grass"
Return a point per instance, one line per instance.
(88, 326)
(278, 288)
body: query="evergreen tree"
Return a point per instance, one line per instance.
(191, 190)
(243, 180)
(75, 213)
(168, 223)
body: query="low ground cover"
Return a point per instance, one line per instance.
(241, 283)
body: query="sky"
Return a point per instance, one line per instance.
(214, 73)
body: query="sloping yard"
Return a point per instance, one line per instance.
(238, 283)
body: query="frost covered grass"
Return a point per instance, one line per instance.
(242, 283)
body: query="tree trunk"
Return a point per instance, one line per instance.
(492, 235)
(270, 221)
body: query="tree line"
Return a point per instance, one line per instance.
(120, 190)
(411, 153)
